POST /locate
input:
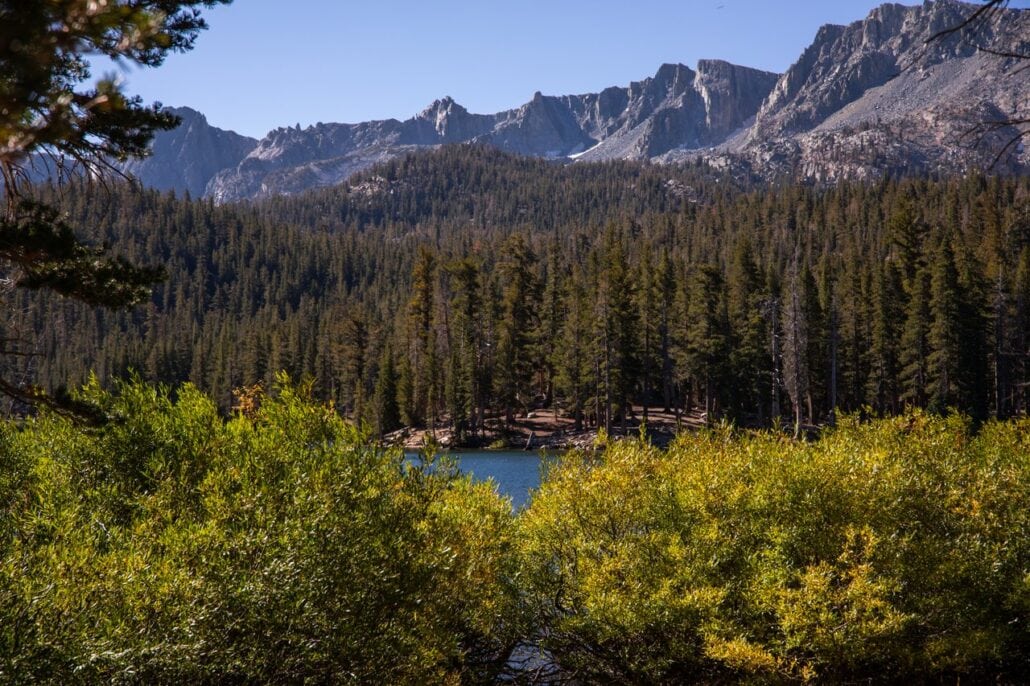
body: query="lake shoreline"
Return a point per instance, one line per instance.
(546, 431)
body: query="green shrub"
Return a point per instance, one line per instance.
(893, 550)
(283, 546)
(172, 546)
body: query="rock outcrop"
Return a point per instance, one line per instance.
(676, 108)
(889, 95)
(186, 158)
(875, 97)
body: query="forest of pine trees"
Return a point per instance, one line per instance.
(460, 285)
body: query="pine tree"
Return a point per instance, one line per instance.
(944, 335)
(353, 345)
(666, 283)
(795, 342)
(854, 345)
(649, 306)
(466, 347)
(818, 342)
(573, 352)
(386, 415)
(706, 345)
(748, 356)
(516, 326)
(831, 299)
(975, 332)
(772, 310)
(1018, 347)
(885, 333)
(915, 345)
(550, 322)
(406, 400)
(422, 361)
(615, 322)
(905, 234)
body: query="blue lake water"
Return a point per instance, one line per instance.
(516, 472)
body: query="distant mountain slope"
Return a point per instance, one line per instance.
(676, 107)
(863, 100)
(880, 96)
(186, 158)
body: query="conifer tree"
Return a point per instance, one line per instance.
(818, 337)
(772, 310)
(649, 306)
(386, 415)
(615, 322)
(1019, 334)
(905, 235)
(516, 325)
(976, 327)
(49, 118)
(465, 350)
(915, 345)
(748, 356)
(944, 335)
(421, 342)
(550, 321)
(665, 280)
(353, 344)
(828, 269)
(854, 334)
(885, 334)
(795, 342)
(574, 350)
(706, 344)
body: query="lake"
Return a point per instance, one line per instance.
(515, 472)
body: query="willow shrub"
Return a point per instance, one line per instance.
(172, 546)
(892, 550)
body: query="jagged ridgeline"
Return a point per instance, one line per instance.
(882, 96)
(465, 282)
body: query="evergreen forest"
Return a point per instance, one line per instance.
(467, 286)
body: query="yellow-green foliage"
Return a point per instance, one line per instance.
(890, 550)
(173, 546)
(282, 546)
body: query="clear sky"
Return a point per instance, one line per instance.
(269, 63)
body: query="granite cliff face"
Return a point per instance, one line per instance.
(879, 96)
(677, 107)
(186, 158)
(863, 100)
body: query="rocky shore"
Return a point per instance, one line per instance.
(545, 431)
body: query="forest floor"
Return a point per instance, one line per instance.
(547, 430)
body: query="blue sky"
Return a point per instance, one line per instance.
(269, 63)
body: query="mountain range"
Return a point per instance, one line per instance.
(875, 97)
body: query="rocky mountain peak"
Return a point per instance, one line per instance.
(862, 100)
(187, 114)
(888, 94)
(844, 62)
(670, 76)
(446, 117)
(185, 158)
(731, 95)
(438, 107)
(714, 68)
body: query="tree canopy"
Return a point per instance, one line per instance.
(55, 123)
